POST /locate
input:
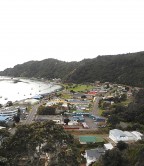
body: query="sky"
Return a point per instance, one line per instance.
(68, 30)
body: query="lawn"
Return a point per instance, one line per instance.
(78, 87)
(100, 111)
(65, 96)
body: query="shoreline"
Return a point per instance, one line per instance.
(35, 87)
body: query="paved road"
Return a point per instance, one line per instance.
(30, 117)
(33, 112)
(95, 106)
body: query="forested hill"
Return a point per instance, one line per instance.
(124, 69)
(48, 68)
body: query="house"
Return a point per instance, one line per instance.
(93, 155)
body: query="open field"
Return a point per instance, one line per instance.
(78, 87)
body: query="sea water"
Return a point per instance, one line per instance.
(12, 89)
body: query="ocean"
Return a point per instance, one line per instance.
(16, 89)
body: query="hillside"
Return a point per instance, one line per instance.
(48, 68)
(125, 69)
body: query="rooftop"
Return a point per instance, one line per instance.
(3, 118)
(96, 153)
(90, 139)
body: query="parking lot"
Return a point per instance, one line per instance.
(90, 122)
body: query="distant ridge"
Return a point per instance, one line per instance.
(124, 69)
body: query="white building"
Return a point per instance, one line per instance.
(137, 134)
(117, 135)
(9, 112)
(108, 146)
(130, 136)
(126, 136)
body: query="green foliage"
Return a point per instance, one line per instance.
(47, 137)
(131, 155)
(113, 158)
(42, 110)
(133, 113)
(125, 69)
(122, 145)
(16, 118)
(48, 68)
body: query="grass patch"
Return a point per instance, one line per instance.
(78, 87)
(100, 111)
(65, 96)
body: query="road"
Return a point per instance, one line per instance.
(32, 114)
(30, 117)
(95, 106)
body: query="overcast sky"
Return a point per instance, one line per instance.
(68, 30)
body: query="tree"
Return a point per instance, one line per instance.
(113, 158)
(49, 110)
(33, 140)
(113, 120)
(83, 97)
(122, 145)
(72, 91)
(66, 121)
(16, 118)
(123, 97)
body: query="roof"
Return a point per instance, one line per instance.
(92, 93)
(116, 132)
(90, 139)
(137, 133)
(37, 97)
(129, 134)
(3, 118)
(108, 146)
(1, 127)
(87, 139)
(96, 153)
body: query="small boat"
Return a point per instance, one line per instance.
(6, 98)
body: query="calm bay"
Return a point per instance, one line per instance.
(16, 89)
